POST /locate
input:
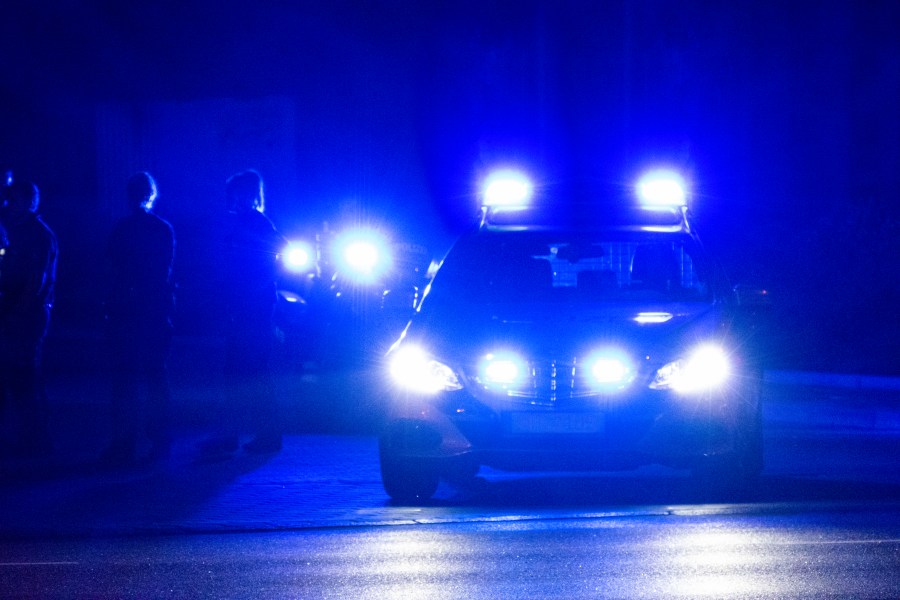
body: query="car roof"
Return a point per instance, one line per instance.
(586, 205)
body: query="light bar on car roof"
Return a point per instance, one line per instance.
(507, 187)
(662, 188)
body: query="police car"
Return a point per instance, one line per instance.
(574, 329)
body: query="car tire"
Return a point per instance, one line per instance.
(407, 479)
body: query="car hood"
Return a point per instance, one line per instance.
(542, 331)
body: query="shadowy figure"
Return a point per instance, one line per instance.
(139, 310)
(26, 297)
(250, 259)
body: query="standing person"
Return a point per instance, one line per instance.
(26, 299)
(252, 247)
(139, 310)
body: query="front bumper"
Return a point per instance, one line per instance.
(609, 433)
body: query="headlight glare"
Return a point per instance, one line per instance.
(362, 254)
(503, 369)
(299, 256)
(412, 368)
(705, 368)
(610, 369)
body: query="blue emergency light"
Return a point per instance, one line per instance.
(662, 188)
(507, 187)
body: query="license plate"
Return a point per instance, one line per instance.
(538, 422)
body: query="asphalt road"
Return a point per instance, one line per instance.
(699, 552)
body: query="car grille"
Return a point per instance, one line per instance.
(552, 382)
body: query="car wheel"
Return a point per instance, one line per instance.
(408, 479)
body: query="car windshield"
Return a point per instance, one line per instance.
(552, 267)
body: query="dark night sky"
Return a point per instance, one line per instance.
(784, 115)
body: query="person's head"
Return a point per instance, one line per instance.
(244, 192)
(20, 199)
(141, 191)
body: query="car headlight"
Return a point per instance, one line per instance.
(362, 254)
(412, 368)
(705, 368)
(299, 257)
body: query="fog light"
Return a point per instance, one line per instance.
(610, 369)
(502, 369)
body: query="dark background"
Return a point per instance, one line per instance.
(784, 116)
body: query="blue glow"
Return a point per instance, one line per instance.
(362, 254)
(705, 368)
(290, 297)
(507, 188)
(412, 368)
(649, 318)
(504, 369)
(610, 369)
(298, 256)
(662, 188)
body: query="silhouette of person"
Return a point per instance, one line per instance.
(252, 246)
(26, 298)
(139, 308)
